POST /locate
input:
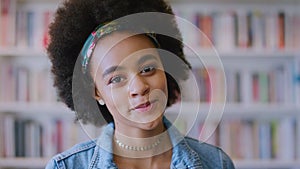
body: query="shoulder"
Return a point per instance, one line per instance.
(202, 147)
(210, 154)
(79, 154)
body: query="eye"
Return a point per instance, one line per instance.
(148, 69)
(116, 79)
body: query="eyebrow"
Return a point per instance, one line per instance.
(140, 61)
(146, 58)
(112, 69)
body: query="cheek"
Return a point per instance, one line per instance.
(159, 86)
(109, 95)
(162, 79)
(116, 100)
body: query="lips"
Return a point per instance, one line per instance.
(144, 107)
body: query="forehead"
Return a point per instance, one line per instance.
(120, 47)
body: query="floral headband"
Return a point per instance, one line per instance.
(98, 33)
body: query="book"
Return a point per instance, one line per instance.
(286, 139)
(7, 17)
(265, 151)
(205, 24)
(19, 83)
(19, 127)
(40, 136)
(281, 29)
(9, 136)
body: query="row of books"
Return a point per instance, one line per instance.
(252, 86)
(297, 81)
(271, 86)
(19, 83)
(24, 27)
(28, 27)
(248, 29)
(44, 137)
(253, 138)
(209, 81)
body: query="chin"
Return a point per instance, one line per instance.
(151, 125)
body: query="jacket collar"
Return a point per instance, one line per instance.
(182, 156)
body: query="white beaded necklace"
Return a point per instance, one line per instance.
(138, 148)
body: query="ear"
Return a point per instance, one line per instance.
(97, 94)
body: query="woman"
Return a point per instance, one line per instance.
(131, 74)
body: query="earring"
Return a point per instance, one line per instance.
(101, 102)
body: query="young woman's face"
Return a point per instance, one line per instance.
(130, 78)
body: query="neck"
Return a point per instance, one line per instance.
(160, 161)
(137, 142)
(141, 148)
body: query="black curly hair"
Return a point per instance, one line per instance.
(73, 22)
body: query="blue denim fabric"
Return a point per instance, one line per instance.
(188, 153)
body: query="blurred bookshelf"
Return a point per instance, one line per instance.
(34, 126)
(258, 43)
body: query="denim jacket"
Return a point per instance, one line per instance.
(187, 153)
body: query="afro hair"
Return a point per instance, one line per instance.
(73, 22)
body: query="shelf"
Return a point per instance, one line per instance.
(238, 110)
(36, 109)
(243, 53)
(265, 164)
(23, 162)
(262, 109)
(22, 52)
(43, 2)
(230, 109)
(211, 57)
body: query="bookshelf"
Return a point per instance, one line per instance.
(262, 69)
(258, 44)
(29, 111)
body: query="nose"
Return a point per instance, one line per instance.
(138, 86)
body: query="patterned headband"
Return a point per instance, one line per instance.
(98, 33)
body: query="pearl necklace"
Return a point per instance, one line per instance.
(138, 148)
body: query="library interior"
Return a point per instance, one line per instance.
(256, 88)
